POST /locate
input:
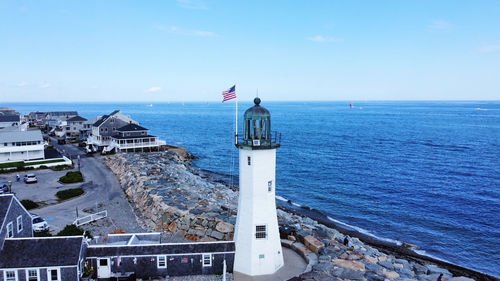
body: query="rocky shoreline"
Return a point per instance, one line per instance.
(171, 196)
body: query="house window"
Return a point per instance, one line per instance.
(114, 129)
(162, 262)
(261, 256)
(10, 230)
(10, 275)
(53, 274)
(32, 275)
(260, 232)
(207, 259)
(249, 160)
(270, 186)
(19, 224)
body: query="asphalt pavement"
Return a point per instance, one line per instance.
(101, 187)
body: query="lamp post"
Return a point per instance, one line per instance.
(10, 186)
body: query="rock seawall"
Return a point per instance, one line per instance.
(169, 197)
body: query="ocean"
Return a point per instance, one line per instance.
(425, 173)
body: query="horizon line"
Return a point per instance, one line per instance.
(251, 100)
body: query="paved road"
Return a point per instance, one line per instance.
(101, 187)
(103, 191)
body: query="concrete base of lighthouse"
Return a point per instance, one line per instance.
(257, 239)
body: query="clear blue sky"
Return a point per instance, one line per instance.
(190, 50)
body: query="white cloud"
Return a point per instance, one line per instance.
(440, 25)
(182, 31)
(321, 39)
(152, 90)
(45, 85)
(22, 84)
(192, 4)
(489, 48)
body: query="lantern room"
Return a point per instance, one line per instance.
(257, 129)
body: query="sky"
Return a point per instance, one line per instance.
(192, 50)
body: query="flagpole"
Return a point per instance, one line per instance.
(236, 119)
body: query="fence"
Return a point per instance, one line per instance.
(91, 218)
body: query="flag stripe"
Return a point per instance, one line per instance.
(229, 94)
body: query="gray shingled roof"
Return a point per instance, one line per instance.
(40, 252)
(16, 136)
(104, 118)
(76, 118)
(159, 249)
(9, 118)
(118, 137)
(5, 201)
(131, 128)
(100, 121)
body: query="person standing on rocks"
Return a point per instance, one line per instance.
(440, 278)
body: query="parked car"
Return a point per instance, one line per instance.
(82, 144)
(39, 224)
(61, 140)
(4, 188)
(30, 178)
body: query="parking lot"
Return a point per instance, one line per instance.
(44, 191)
(101, 187)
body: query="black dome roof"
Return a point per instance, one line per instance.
(256, 112)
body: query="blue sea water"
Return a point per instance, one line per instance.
(426, 173)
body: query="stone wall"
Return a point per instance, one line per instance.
(169, 196)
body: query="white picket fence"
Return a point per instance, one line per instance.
(91, 218)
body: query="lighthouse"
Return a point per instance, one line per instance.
(257, 239)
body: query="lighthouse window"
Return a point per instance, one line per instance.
(249, 160)
(270, 186)
(260, 232)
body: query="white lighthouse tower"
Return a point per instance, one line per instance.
(258, 246)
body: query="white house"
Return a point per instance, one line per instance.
(133, 137)
(21, 146)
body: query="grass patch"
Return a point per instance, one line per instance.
(21, 165)
(73, 230)
(71, 177)
(69, 193)
(45, 162)
(61, 167)
(28, 204)
(11, 165)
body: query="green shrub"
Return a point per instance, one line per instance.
(71, 177)
(69, 193)
(73, 230)
(28, 204)
(61, 167)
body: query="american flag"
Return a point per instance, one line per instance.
(229, 94)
